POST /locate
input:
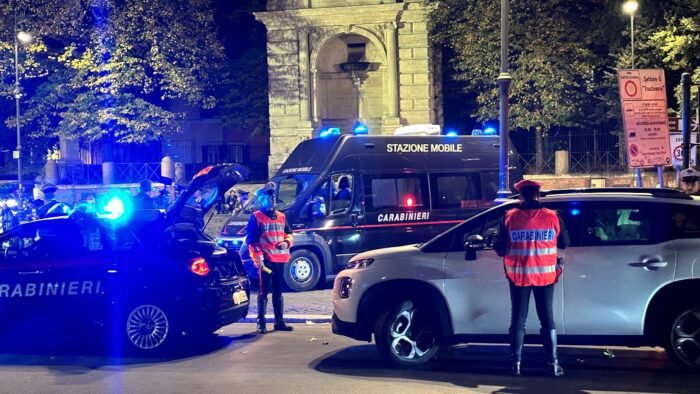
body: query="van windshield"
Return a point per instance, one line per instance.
(288, 189)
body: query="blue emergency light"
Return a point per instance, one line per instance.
(452, 133)
(490, 131)
(360, 128)
(329, 132)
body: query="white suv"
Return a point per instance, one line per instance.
(631, 277)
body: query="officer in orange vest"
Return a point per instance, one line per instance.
(269, 239)
(527, 240)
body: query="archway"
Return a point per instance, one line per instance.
(335, 94)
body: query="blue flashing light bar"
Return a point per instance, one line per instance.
(452, 133)
(360, 128)
(329, 132)
(490, 131)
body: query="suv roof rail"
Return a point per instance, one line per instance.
(656, 192)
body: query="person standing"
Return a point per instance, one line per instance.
(143, 200)
(527, 240)
(269, 239)
(50, 201)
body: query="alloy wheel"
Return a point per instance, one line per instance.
(409, 342)
(686, 337)
(147, 327)
(301, 269)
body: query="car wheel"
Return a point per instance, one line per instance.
(148, 328)
(683, 337)
(303, 271)
(407, 335)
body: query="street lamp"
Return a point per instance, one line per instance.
(630, 7)
(23, 38)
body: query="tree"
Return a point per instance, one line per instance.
(555, 58)
(109, 69)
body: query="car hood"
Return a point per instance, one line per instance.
(386, 253)
(212, 182)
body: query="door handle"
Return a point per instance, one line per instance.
(651, 263)
(353, 219)
(37, 272)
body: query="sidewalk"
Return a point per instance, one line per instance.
(314, 306)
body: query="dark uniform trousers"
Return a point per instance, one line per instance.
(271, 282)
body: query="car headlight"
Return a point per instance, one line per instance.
(362, 263)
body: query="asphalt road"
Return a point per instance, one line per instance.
(312, 360)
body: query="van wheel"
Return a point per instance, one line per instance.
(682, 335)
(407, 335)
(148, 328)
(303, 271)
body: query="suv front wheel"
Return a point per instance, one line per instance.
(683, 337)
(407, 334)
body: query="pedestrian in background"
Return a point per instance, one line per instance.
(690, 182)
(269, 239)
(527, 240)
(143, 200)
(50, 201)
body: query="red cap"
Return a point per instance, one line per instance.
(527, 183)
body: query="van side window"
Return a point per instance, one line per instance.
(342, 192)
(454, 191)
(395, 192)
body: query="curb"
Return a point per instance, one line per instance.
(290, 319)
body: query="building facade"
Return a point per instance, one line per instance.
(333, 63)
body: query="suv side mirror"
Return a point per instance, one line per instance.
(473, 243)
(489, 237)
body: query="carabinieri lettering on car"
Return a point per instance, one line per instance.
(50, 289)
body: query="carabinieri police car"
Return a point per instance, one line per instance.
(138, 277)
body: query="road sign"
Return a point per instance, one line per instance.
(644, 112)
(15, 154)
(674, 125)
(677, 149)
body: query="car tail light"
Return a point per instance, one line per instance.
(200, 267)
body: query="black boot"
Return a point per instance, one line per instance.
(549, 340)
(517, 339)
(278, 306)
(262, 307)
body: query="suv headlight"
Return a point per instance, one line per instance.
(362, 263)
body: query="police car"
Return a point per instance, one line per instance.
(141, 278)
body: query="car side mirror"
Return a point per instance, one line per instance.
(489, 237)
(473, 243)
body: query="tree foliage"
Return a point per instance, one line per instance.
(110, 69)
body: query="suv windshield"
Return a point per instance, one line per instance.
(288, 189)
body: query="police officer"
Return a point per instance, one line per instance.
(143, 200)
(50, 201)
(690, 182)
(527, 240)
(269, 239)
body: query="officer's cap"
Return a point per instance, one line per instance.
(49, 188)
(690, 173)
(527, 183)
(269, 188)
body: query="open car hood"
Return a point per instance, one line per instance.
(211, 183)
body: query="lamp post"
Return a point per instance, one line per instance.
(630, 7)
(503, 88)
(24, 38)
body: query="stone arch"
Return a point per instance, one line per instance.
(336, 102)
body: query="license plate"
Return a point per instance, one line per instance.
(240, 297)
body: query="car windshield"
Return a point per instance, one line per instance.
(288, 189)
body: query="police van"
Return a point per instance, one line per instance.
(121, 276)
(346, 194)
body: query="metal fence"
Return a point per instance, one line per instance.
(589, 151)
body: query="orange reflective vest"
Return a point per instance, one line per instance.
(531, 257)
(271, 234)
